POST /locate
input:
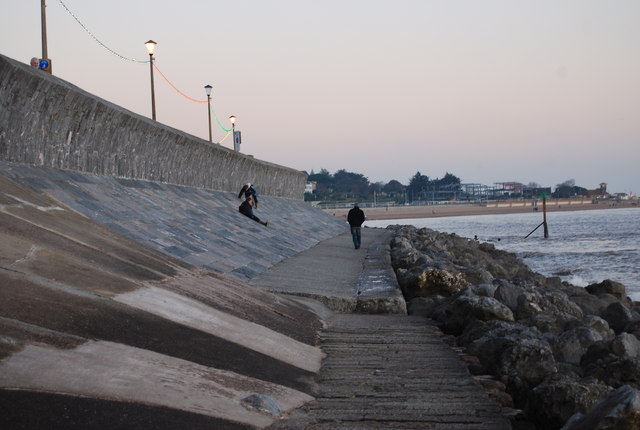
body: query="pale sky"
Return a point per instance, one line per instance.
(489, 90)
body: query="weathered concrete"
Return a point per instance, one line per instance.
(93, 322)
(46, 121)
(385, 371)
(341, 277)
(199, 226)
(393, 372)
(114, 371)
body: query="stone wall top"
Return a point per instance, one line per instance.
(46, 121)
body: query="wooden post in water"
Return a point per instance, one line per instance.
(544, 216)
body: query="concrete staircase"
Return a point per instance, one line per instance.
(393, 372)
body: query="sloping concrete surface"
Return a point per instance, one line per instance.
(199, 226)
(94, 323)
(108, 370)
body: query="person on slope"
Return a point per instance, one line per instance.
(246, 209)
(249, 191)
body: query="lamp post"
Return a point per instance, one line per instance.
(151, 46)
(43, 22)
(232, 119)
(208, 90)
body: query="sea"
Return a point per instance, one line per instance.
(583, 247)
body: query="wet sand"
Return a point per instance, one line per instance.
(446, 210)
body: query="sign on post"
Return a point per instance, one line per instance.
(237, 140)
(45, 64)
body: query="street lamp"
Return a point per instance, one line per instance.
(208, 90)
(232, 119)
(151, 46)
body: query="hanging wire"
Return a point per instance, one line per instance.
(225, 136)
(226, 130)
(97, 40)
(176, 89)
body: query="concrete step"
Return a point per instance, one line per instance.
(393, 372)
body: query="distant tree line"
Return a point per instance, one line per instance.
(344, 186)
(349, 186)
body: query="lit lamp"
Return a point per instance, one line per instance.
(208, 90)
(151, 47)
(232, 119)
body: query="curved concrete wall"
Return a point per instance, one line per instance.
(46, 121)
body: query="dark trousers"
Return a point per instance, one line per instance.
(255, 218)
(356, 236)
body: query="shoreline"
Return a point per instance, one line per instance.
(449, 210)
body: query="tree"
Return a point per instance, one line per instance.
(324, 183)
(349, 184)
(569, 189)
(447, 179)
(418, 186)
(393, 187)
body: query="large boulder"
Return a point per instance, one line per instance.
(571, 345)
(442, 282)
(608, 287)
(507, 293)
(549, 310)
(589, 303)
(468, 308)
(425, 306)
(559, 397)
(618, 316)
(626, 345)
(615, 371)
(619, 410)
(518, 355)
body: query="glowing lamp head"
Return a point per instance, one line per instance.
(151, 46)
(208, 89)
(232, 119)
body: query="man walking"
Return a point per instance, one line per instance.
(355, 218)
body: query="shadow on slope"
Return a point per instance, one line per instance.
(93, 323)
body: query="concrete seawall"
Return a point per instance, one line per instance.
(100, 331)
(46, 121)
(122, 255)
(199, 226)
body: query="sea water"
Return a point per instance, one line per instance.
(583, 247)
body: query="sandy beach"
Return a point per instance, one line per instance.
(491, 208)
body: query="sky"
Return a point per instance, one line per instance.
(530, 91)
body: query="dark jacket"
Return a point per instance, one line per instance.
(246, 209)
(249, 192)
(356, 217)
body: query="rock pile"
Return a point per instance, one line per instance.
(568, 356)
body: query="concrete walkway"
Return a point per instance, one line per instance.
(382, 371)
(341, 277)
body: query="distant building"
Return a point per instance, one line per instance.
(599, 193)
(310, 187)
